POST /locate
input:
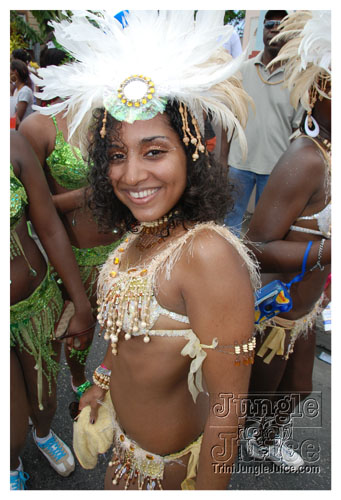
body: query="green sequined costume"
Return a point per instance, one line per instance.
(70, 171)
(90, 260)
(32, 324)
(33, 319)
(66, 164)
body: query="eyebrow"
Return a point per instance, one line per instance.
(150, 139)
(143, 141)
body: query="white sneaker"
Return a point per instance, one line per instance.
(57, 453)
(280, 453)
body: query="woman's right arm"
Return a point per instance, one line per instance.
(95, 393)
(297, 176)
(21, 110)
(70, 200)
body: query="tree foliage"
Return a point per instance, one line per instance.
(236, 18)
(23, 35)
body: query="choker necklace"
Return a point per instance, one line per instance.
(150, 232)
(155, 226)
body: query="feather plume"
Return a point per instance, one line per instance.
(306, 53)
(179, 54)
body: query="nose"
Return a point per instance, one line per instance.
(134, 170)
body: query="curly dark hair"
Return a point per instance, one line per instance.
(207, 196)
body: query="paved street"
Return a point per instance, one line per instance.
(310, 433)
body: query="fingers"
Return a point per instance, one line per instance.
(94, 413)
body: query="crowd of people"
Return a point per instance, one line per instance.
(139, 216)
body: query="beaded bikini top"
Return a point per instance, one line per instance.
(128, 305)
(323, 219)
(66, 164)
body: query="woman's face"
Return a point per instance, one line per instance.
(147, 168)
(13, 76)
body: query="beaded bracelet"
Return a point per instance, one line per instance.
(319, 256)
(101, 377)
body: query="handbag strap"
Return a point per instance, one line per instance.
(298, 278)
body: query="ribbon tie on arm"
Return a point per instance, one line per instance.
(195, 350)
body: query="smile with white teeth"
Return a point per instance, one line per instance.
(142, 194)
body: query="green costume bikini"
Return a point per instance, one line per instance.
(32, 320)
(71, 172)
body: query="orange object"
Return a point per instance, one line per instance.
(13, 121)
(281, 298)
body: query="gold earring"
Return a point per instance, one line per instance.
(103, 131)
(188, 136)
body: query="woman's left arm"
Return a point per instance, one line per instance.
(51, 232)
(298, 175)
(219, 303)
(21, 110)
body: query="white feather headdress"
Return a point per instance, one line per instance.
(306, 53)
(180, 56)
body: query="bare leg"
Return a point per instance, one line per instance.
(281, 385)
(76, 367)
(19, 410)
(41, 418)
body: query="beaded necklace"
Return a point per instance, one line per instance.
(125, 296)
(265, 81)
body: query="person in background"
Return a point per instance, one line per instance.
(269, 125)
(36, 311)
(233, 45)
(20, 77)
(291, 229)
(67, 175)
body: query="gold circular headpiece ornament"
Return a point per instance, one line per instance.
(137, 90)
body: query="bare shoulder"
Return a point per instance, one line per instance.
(40, 131)
(216, 285)
(215, 254)
(303, 157)
(35, 125)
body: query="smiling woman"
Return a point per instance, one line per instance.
(175, 299)
(148, 173)
(150, 155)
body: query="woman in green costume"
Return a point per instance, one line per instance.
(36, 307)
(67, 175)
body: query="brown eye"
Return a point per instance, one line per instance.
(155, 152)
(116, 157)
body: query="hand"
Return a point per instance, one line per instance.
(81, 321)
(92, 397)
(79, 343)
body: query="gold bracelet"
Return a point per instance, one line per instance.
(101, 380)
